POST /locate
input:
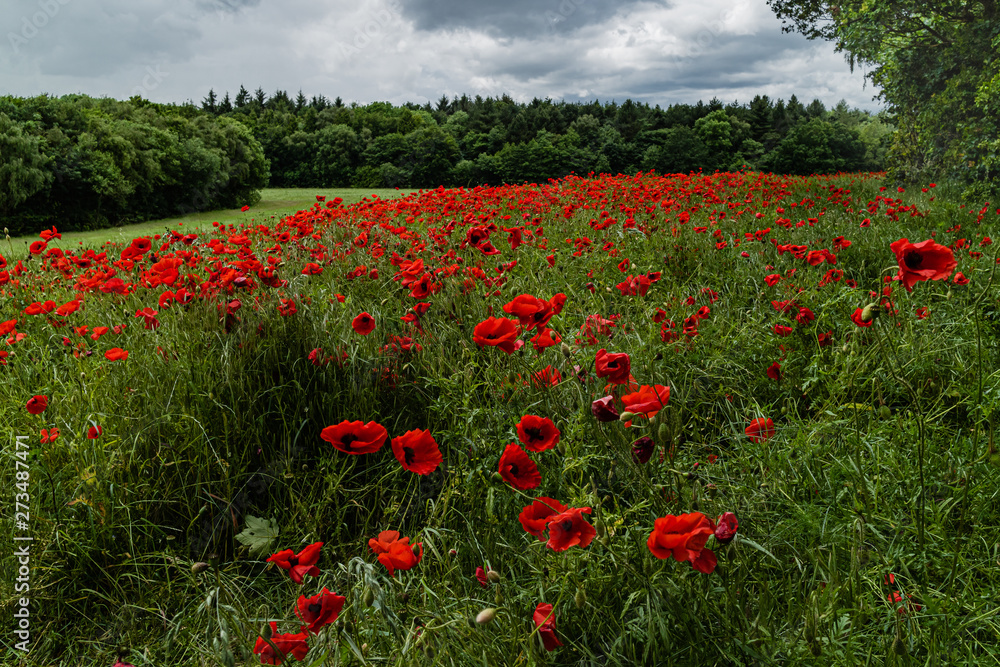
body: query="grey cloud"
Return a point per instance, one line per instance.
(514, 18)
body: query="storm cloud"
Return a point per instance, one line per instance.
(417, 50)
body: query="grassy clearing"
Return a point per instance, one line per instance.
(868, 520)
(275, 203)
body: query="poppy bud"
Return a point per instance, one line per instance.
(198, 568)
(266, 634)
(884, 412)
(369, 597)
(567, 352)
(869, 312)
(626, 416)
(727, 527)
(493, 577)
(664, 432)
(580, 598)
(486, 615)
(899, 646)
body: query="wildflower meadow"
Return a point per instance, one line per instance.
(708, 419)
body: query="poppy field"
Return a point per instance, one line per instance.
(706, 419)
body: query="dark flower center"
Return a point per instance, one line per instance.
(408, 455)
(913, 260)
(534, 434)
(513, 469)
(566, 525)
(293, 561)
(348, 440)
(315, 608)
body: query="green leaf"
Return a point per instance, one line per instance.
(259, 534)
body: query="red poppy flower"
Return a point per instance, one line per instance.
(558, 301)
(614, 366)
(287, 644)
(647, 401)
(287, 307)
(960, 279)
(537, 434)
(363, 324)
(482, 576)
(570, 529)
(825, 339)
(7, 327)
(355, 437)
(760, 430)
(417, 451)
(545, 338)
(497, 332)
(94, 432)
(726, 528)
(396, 553)
(37, 404)
(517, 469)
(68, 308)
(320, 609)
(530, 311)
(782, 330)
(300, 564)
(545, 621)
(535, 517)
(683, 537)
(47, 435)
(774, 371)
(926, 260)
(604, 409)
(38, 247)
(116, 354)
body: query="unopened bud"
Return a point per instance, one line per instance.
(869, 312)
(198, 568)
(626, 416)
(493, 577)
(580, 598)
(567, 352)
(486, 615)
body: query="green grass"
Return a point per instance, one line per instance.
(274, 204)
(883, 461)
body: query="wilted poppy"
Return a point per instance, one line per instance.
(535, 517)
(726, 528)
(760, 430)
(497, 332)
(614, 366)
(363, 324)
(926, 260)
(569, 529)
(417, 451)
(37, 404)
(642, 449)
(287, 644)
(604, 409)
(355, 437)
(517, 469)
(300, 564)
(683, 537)
(545, 621)
(320, 609)
(537, 434)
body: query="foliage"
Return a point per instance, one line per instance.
(866, 504)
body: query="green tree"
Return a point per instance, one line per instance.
(23, 165)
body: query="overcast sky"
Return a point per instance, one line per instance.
(660, 52)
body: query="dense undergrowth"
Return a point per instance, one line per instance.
(867, 519)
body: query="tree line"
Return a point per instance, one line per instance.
(314, 142)
(84, 163)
